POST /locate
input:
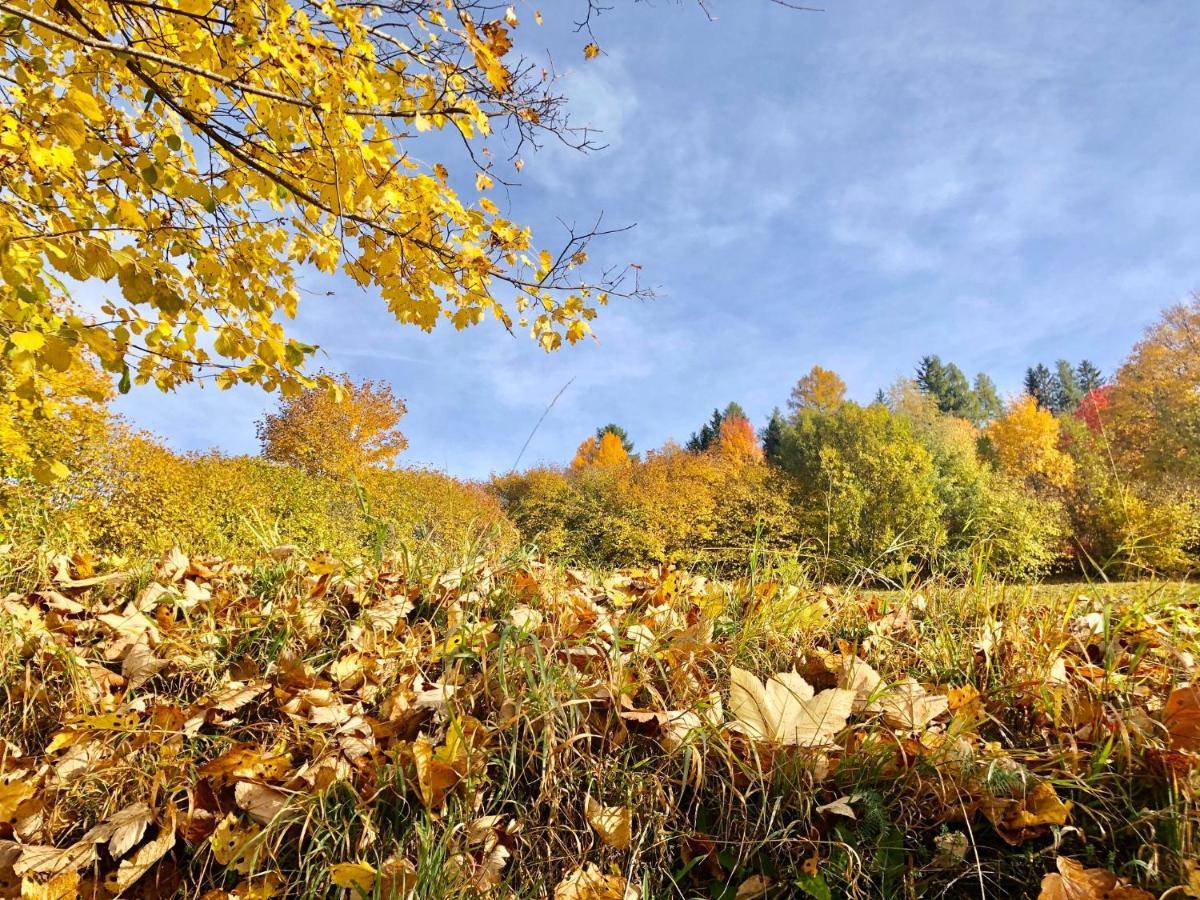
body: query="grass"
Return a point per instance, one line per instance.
(434, 726)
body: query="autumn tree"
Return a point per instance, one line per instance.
(191, 160)
(621, 433)
(1154, 404)
(821, 390)
(606, 452)
(737, 441)
(336, 434)
(710, 431)
(1025, 444)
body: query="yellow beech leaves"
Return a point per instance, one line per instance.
(192, 161)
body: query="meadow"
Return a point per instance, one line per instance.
(487, 724)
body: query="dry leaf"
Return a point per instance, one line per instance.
(588, 882)
(262, 803)
(753, 887)
(1181, 716)
(612, 823)
(1074, 882)
(434, 776)
(144, 857)
(233, 844)
(1019, 820)
(785, 710)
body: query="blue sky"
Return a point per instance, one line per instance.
(1000, 184)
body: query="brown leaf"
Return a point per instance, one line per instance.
(1074, 882)
(1019, 820)
(1181, 716)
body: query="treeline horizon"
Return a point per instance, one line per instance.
(936, 476)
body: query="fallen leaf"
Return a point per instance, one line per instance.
(588, 882)
(1074, 882)
(1018, 820)
(612, 823)
(785, 710)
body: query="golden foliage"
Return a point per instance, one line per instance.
(1025, 441)
(195, 160)
(607, 452)
(336, 433)
(821, 390)
(1153, 414)
(737, 441)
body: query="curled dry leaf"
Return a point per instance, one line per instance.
(1018, 820)
(905, 705)
(1074, 882)
(588, 882)
(785, 710)
(614, 824)
(144, 857)
(753, 887)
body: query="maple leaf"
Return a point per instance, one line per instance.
(786, 710)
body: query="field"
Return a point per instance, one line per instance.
(488, 725)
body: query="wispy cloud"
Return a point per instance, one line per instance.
(995, 183)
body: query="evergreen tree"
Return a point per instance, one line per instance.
(988, 404)
(948, 386)
(1039, 384)
(710, 431)
(931, 376)
(1066, 388)
(958, 400)
(772, 435)
(1088, 377)
(621, 433)
(880, 398)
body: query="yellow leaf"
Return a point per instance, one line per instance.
(359, 876)
(612, 823)
(28, 340)
(12, 795)
(233, 844)
(591, 51)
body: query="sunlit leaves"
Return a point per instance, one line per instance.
(169, 155)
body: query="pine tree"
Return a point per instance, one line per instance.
(1088, 377)
(987, 399)
(1066, 388)
(931, 376)
(772, 435)
(709, 432)
(1039, 384)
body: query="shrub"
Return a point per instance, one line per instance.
(866, 489)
